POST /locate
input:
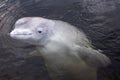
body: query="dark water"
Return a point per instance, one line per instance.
(99, 19)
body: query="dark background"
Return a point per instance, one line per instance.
(99, 19)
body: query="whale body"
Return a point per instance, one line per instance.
(67, 52)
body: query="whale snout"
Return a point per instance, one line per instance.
(20, 34)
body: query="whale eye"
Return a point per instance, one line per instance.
(39, 31)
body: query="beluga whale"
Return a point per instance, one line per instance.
(66, 50)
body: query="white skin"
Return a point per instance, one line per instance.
(67, 52)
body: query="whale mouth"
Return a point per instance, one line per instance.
(20, 36)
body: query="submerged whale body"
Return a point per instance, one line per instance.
(67, 52)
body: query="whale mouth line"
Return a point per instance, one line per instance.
(22, 34)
